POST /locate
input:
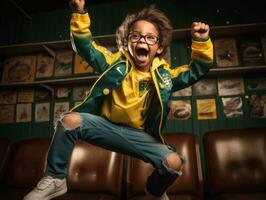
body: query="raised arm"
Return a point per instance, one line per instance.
(82, 42)
(201, 58)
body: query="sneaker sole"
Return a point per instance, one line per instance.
(58, 193)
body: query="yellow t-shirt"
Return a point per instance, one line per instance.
(128, 103)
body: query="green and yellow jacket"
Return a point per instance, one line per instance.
(113, 68)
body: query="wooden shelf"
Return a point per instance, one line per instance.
(238, 70)
(110, 40)
(216, 31)
(226, 31)
(54, 82)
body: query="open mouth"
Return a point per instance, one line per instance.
(142, 52)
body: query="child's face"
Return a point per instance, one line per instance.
(143, 44)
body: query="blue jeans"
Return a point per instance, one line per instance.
(101, 132)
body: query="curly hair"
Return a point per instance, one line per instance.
(152, 15)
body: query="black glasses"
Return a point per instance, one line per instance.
(149, 39)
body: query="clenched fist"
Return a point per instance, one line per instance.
(200, 31)
(77, 5)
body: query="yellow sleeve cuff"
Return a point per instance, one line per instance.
(80, 23)
(202, 44)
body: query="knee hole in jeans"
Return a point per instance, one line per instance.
(72, 120)
(173, 162)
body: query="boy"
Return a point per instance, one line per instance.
(126, 108)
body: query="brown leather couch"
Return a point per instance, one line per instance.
(187, 187)
(236, 164)
(94, 173)
(24, 167)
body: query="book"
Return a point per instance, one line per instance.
(226, 54)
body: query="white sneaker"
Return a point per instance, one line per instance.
(163, 197)
(47, 188)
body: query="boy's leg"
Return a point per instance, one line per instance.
(99, 131)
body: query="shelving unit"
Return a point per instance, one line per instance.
(110, 40)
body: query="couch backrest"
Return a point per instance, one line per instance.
(94, 169)
(191, 180)
(236, 160)
(26, 162)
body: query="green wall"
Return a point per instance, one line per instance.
(54, 25)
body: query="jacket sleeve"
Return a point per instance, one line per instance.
(82, 43)
(201, 62)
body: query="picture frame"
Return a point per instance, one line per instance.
(42, 112)
(226, 54)
(19, 69)
(63, 63)
(23, 112)
(45, 66)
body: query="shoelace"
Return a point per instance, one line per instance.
(45, 182)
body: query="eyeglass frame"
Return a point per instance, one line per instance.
(143, 36)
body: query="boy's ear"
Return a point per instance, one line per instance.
(159, 50)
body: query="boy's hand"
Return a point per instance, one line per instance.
(200, 31)
(77, 5)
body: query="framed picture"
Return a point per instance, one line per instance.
(25, 96)
(257, 106)
(81, 66)
(225, 52)
(232, 107)
(42, 112)
(230, 86)
(179, 110)
(251, 52)
(7, 113)
(182, 93)
(63, 63)
(45, 65)
(8, 97)
(206, 109)
(23, 112)
(79, 93)
(62, 92)
(256, 84)
(205, 87)
(59, 109)
(40, 95)
(19, 69)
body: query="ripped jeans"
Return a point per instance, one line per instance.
(101, 132)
